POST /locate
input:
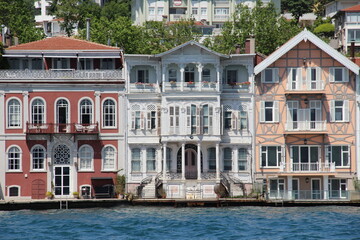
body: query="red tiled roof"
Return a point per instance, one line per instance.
(61, 43)
(355, 8)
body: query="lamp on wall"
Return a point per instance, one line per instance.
(306, 101)
(307, 180)
(304, 61)
(305, 141)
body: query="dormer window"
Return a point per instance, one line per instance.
(143, 76)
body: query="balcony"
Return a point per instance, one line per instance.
(221, 17)
(191, 86)
(144, 87)
(305, 87)
(315, 167)
(53, 128)
(177, 17)
(305, 126)
(61, 74)
(317, 195)
(239, 87)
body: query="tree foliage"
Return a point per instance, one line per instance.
(270, 30)
(326, 30)
(297, 7)
(19, 17)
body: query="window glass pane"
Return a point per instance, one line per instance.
(272, 156)
(14, 192)
(336, 155)
(338, 74)
(268, 75)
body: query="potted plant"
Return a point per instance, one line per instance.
(120, 186)
(76, 195)
(190, 84)
(49, 195)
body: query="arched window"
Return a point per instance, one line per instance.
(109, 113)
(135, 160)
(62, 111)
(14, 191)
(150, 160)
(14, 113)
(227, 159)
(37, 111)
(86, 154)
(14, 158)
(85, 111)
(108, 158)
(38, 158)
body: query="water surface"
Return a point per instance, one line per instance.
(183, 223)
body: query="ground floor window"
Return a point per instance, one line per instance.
(150, 160)
(337, 188)
(277, 188)
(135, 160)
(14, 191)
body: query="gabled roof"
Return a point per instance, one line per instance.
(306, 35)
(61, 43)
(190, 43)
(355, 8)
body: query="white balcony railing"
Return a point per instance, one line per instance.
(236, 87)
(305, 126)
(144, 87)
(306, 86)
(64, 74)
(308, 167)
(193, 86)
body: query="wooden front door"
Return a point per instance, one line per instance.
(38, 189)
(190, 164)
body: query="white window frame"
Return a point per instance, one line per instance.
(36, 158)
(213, 160)
(137, 160)
(86, 185)
(274, 72)
(13, 186)
(329, 156)
(228, 160)
(9, 114)
(160, 11)
(145, 76)
(279, 156)
(151, 11)
(243, 116)
(68, 109)
(195, 11)
(109, 66)
(203, 11)
(32, 107)
(105, 158)
(245, 159)
(19, 169)
(275, 111)
(87, 108)
(151, 161)
(344, 109)
(344, 74)
(86, 158)
(113, 114)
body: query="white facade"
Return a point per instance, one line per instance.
(186, 99)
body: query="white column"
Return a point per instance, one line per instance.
(326, 187)
(25, 109)
(182, 77)
(217, 162)
(164, 160)
(218, 77)
(199, 161)
(200, 68)
(97, 108)
(2, 146)
(143, 160)
(290, 187)
(183, 161)
(235, 159)
(163, 77)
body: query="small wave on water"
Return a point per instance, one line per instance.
(183, 223)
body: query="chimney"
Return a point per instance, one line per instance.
(352, 51)
(237, 48)
(88, 29)
(250, 45)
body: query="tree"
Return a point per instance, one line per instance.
(19, 17)
(74, 13)
(116, 8)
(325, 30)
(269, 29)
(297, 7)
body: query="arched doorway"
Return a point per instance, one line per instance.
(190, 161)
(61, 160)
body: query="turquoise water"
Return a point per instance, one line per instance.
(183, 223)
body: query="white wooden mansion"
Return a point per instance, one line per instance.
(193, 107)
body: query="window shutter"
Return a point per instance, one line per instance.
(331, 75)
(158, 120)
(262, 111)
(199, 120)
(148, 120)
(289, 78)
(346, 75)
(188, 119)
(332, 111)
(142, 120)
(299, 80)
(283, 160)
(276, 112)
(308, 78)
(275, 75)
(171, 114)
(318, 74)
(132, 120)
(263, 76)
(346, 111)
(349, 155)
(233, 120)
(327, 154)
(210, 119)
(222, 120)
